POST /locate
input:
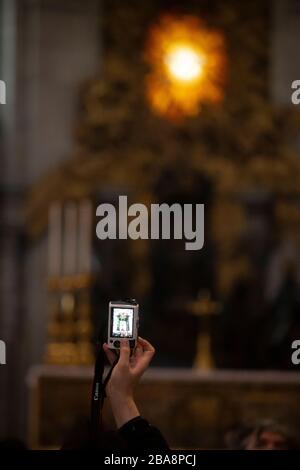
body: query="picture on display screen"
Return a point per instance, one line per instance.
(122, 325)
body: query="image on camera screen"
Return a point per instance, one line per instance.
(122, 325)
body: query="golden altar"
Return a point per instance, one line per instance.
(192, 408)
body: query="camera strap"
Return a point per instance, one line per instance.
(98, 393)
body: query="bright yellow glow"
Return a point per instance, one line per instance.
(184, 63)
(187, 66)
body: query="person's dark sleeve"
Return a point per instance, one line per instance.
(142, 436)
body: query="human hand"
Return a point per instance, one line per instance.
(125, 376)
(129, 368)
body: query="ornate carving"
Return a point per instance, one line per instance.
(245, 144)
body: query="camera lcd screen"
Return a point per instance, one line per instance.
(122, 322)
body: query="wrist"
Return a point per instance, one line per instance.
(118, 399)
(115, 393)
(123, 407)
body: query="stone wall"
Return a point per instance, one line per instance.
(49, 47)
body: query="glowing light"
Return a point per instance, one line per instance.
(184, 63)
(187, 66)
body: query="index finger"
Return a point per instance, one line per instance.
(146, 345)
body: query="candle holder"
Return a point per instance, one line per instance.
(84, 327)
(70, 326)
(204, 308)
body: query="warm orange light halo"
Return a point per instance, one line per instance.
(187, 65)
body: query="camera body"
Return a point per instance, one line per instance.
(123, 322)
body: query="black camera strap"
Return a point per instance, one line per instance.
(98, 393)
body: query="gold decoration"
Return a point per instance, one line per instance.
(243, 144)
(204, 308)
(70, 329)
